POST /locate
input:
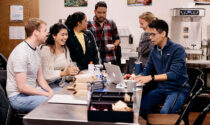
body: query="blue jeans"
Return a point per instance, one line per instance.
(161, 96)
(26, 103)
(55, 85)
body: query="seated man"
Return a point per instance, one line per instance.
(26, 86)
(168, 60)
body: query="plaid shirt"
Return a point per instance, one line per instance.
(104, 35)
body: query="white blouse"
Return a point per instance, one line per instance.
(53, 64)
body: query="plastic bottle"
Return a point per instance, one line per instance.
(91, 67)
(98, 74)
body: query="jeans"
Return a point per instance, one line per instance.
(26, 103)
(161, 96)
(55, 85)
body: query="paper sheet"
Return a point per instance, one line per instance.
(16, 12)
(16, 32)
(66, 99)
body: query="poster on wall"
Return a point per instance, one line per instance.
(16, 12)
(16, 32)
(75, 3)
(139, 2)
(202, 2)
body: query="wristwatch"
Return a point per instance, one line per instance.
(153, 77)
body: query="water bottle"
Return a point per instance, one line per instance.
(138, 67)
(98, 74)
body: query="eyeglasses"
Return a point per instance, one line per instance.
(153, 34)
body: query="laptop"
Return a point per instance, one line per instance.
(115, 75)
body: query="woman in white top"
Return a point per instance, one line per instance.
(56, 62)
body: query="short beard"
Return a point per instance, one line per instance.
(99, 20)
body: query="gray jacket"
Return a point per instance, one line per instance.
(145, 46)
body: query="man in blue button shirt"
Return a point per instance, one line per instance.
(168, 60)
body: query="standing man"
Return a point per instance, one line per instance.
(26, 86)
(168, 60)
(106, 35)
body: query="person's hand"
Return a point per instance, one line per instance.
(66, 72)
(73, 70)
(135, 77)
(143, 79)
(70, 70)
(48, 94)
(110, 47)
(51, 93)
(81, 72)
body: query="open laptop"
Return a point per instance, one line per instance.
(115, 75)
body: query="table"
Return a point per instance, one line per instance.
(204, 65)
(199, 62)
(66, 114)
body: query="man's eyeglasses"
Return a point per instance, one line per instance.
(153, 34)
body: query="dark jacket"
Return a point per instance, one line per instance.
(76, 51)
(169, 60)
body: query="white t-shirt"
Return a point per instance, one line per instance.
(22, 59)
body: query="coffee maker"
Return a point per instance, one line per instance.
(186, 29)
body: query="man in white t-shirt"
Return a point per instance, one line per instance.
(26, 85)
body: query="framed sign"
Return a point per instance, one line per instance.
(202, 2)
(139, 2)
(16, 13)
(75, 3)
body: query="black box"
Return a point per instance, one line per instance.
(103, 101)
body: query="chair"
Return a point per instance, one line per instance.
(8, 113)
(199, 120)
(193, 74)
(176, 119)
(3, 62)
(5, 109)
(3, 78)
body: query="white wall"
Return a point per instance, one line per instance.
(126, 16)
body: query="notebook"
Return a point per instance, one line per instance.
(66, 99)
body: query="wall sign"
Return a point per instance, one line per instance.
(16, 32)
(16, 12)
(75, 3)
(139, 2)
(202, 2)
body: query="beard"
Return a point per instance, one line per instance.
(100, 19)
